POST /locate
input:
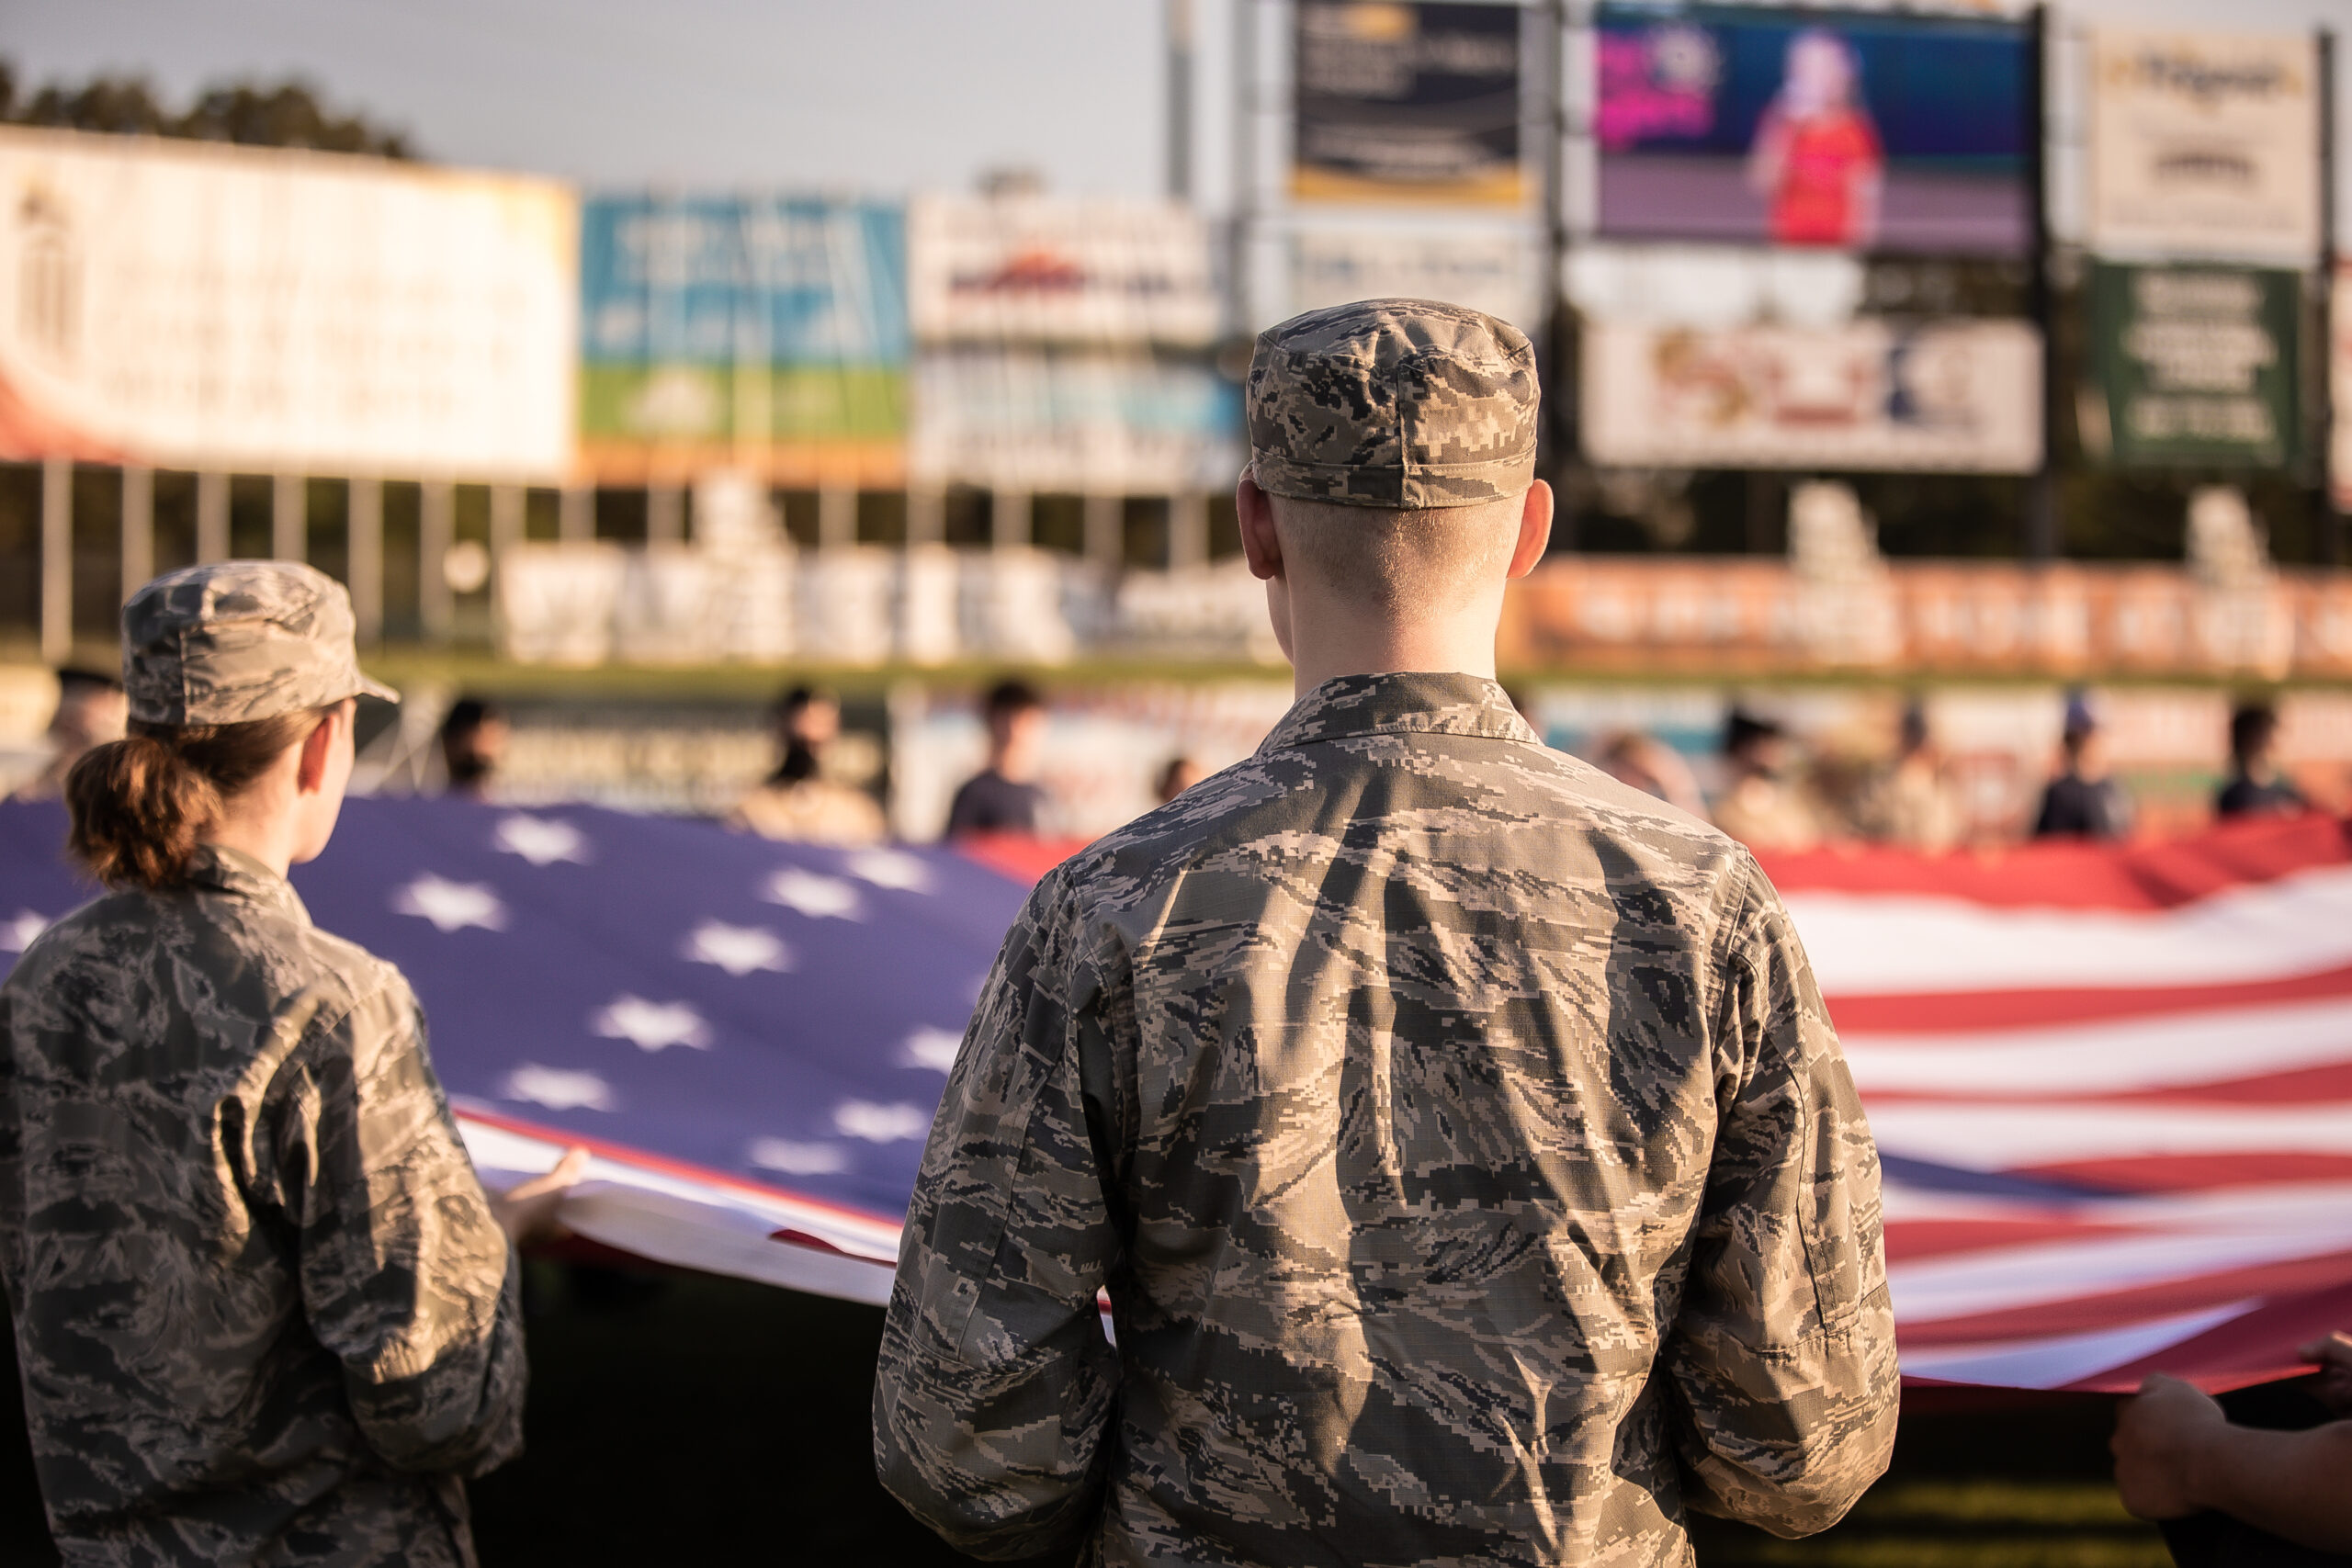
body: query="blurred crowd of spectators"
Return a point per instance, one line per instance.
(1766, 789)
(1771, 800)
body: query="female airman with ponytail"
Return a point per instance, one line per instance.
(264, 1311)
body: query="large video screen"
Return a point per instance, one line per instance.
(1846, 129)
(1412, 102)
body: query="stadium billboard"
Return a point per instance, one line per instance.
(2194, 365)
(1855, 131)
(1496, 272)
(767, 332)
(2205, 144)
(1416, 102)
(1951, 397)
(1043, 268)
(195, 306)
(1037, 419)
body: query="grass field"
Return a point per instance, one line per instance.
(685, 1419)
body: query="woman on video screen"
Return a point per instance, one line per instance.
(1816, 159)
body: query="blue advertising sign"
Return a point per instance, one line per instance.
(767, 323)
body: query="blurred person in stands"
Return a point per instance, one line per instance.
(2227, 1494)
(2259, 787)
(1760, 806)
(797, 802)
(264, 1311)
(1458, 1133)
(91, 710)
(1816, 159)
(1653, 767)
(1180, 775)
(1912, 802)
(473, 745)
(1004, 797)
(2084, 801)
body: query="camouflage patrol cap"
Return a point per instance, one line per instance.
(237, 640)
(1393, 402)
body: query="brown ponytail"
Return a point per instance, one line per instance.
(140, 805)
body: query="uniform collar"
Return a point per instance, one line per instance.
(1418, 703)
(220, 869)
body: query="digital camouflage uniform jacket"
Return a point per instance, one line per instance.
(1466, 1151)
(263, 1312)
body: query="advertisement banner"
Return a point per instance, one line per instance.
(765, 331)
(1041, 267)
(1499, 272)
(1628, 615)
(1405, 102)
(2205, 144)
(1956, 396)
(1861, 131)
(1102, 424)
(189, 305)
(2194, 365)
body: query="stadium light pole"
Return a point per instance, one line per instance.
(1179, 101)
(1554, 26)
(1245, 160)
(2331, 518)
(56, 559)
(138, 527)
(2041, 489)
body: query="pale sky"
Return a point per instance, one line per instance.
(881, 96)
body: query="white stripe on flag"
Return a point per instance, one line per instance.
(1982, 1135)
(2163, 1052)
(2077, 1269)
(2063, 1358)
(1869, 944)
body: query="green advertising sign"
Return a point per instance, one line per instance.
(2195, 367)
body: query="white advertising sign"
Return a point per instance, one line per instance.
(1957, 397)
(1086, 424)
(1000, 269)
(191, 305)
(2205, 144)
(1495, 272)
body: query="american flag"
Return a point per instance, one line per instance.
(2112, 1086)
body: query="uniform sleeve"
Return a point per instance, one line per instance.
(406, 1276)
(996, 1389)
(1782, 1359)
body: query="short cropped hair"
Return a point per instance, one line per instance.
(468, 714)
(1010, 696)
(1402, 561)
(2252, 727)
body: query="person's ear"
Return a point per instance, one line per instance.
(318, 749)
(1534, 529)
(1260, 544)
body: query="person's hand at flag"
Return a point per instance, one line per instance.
(526, 1211)
(2333, 1388)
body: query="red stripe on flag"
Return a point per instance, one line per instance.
(1928, 1012)
(1023, 858)
(2198, 1172)
(2085, 1315)
(2255, 1347)
(2077, 875)
(1910, 1240)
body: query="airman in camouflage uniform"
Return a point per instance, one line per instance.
(263, 1310)
(1457, 1133)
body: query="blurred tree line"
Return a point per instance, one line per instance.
(287, 115)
